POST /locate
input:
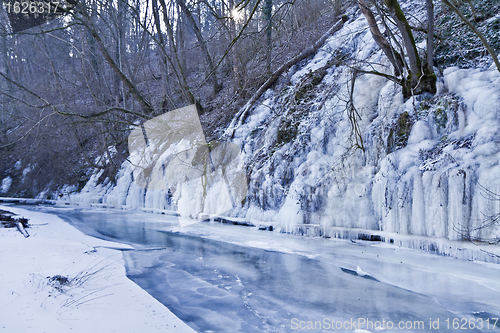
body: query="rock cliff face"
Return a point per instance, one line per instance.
(324, 152)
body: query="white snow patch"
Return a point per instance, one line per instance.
(419, 132)
(99, 298)
(6, 183)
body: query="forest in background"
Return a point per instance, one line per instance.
(72, 89)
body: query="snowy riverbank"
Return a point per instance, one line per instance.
(98, 296)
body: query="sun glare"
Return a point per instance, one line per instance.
(236, 14)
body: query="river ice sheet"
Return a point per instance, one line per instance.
(220, 278)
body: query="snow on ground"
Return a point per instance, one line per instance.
(98, 298)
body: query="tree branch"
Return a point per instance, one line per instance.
(148, 108)
(295, 60)
(378, 37)
(476, 31)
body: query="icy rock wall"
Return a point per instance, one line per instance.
(430, 165)
(438, 177)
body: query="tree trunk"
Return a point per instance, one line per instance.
(268, 9)
(234, 63)
(430, 34)
(94, 61)
(203, 45)
(182, 80)
(420, 79)
(120, 46)
(159, 37)
(163, 56)
(393, 55)
(147, 108)
(409, 42)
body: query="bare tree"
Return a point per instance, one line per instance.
(418, 78)
(267, 13)
(393, 56)
(201, 41)
(430, 34)
(472, 231)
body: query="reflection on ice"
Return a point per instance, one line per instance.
(211, 278)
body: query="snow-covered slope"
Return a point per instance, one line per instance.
(429, 167)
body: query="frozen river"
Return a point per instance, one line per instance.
(222, 278)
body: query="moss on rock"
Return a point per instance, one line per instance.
(399, 132)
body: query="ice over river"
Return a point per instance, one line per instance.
(222, 278)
